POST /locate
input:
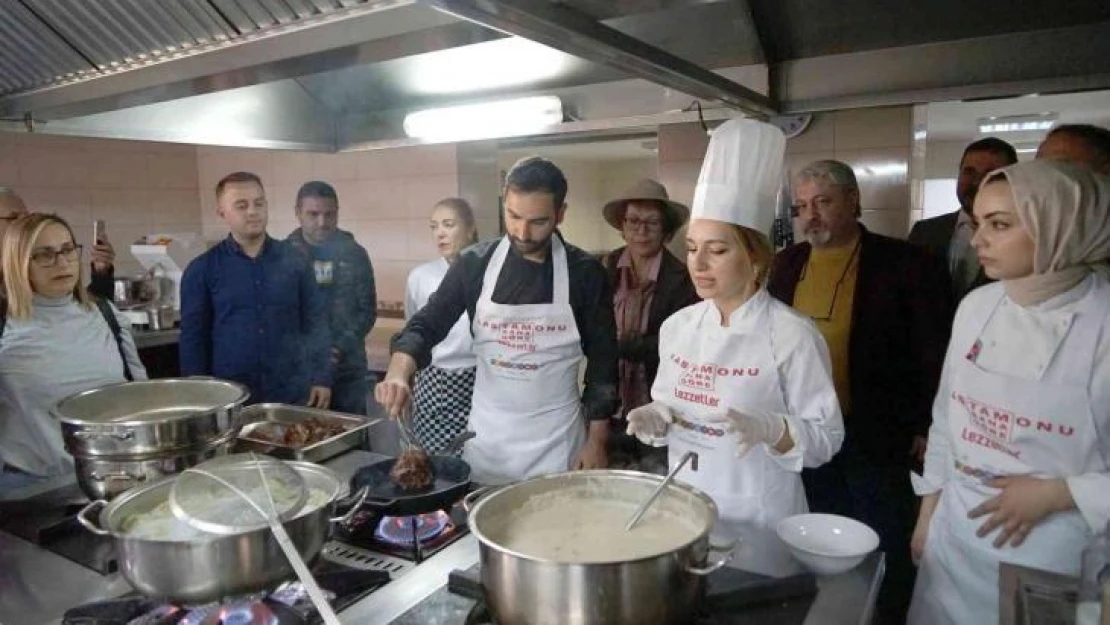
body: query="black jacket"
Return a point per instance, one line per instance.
(934, 234)
(352, 299)
(673, 292)
(901, 320)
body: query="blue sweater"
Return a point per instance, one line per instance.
(258, 321)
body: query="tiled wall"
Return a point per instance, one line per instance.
(137, 188)
(385, 198)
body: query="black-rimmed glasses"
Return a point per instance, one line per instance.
(47, 257)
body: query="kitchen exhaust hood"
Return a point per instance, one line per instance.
(334, 75)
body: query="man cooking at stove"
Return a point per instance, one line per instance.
(744, 381)
(539, 306)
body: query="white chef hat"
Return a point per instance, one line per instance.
(741, 175)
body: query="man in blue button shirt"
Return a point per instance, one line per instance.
(250, 309)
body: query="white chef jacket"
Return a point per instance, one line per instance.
(1021, 341)
(801, 359)
(454, 352)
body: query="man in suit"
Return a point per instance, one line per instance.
(885, 309)
(1082, 144)
(948, 237)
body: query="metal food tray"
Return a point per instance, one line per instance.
(259, 415)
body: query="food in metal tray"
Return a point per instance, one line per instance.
(307, 432)
(413, 470)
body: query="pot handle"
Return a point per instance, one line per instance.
(84, 519)
(475, 495)
(358, 499)
(702, 571)
(89, 434)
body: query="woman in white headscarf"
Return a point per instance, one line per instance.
(1018, 466)
(744, 381)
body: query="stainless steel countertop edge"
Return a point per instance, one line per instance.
(388, 603)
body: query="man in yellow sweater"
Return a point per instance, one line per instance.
(885, 309)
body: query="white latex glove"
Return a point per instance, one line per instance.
(753, 428)
(650, 423)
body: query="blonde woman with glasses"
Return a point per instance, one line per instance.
(55, 340)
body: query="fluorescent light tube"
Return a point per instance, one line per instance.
(505, 118)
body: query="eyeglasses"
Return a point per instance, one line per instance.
(634, 223)
(836, 289)
(47, 257)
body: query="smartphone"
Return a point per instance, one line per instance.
(98, 231)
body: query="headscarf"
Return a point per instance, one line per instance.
(1066, 210)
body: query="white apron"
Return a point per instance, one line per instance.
(704, 370)
(527, 408)
(1002, 425)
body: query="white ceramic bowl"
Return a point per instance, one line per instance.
(826, 543)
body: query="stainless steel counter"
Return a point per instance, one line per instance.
(37, 586)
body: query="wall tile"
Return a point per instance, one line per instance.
(882, 176)
(390, 277)
(9, 167)
(36, 165)
(422, 192)
(387, 239)
(130, 207)
(118, 169)
(882, 127)
(72, 204)
(170, 170)
(335, 167)
(438, 160)
(372, 164)
(292, 168)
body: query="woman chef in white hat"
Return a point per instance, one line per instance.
(1018, 464)
(744, 381)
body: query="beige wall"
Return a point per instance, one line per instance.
(385, 198)
(592, 183)
(137, 188)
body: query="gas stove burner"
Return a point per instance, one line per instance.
(403, 531)
(241, 613)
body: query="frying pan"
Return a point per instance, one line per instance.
(450, 481)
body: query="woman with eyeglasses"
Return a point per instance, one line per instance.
(55, 341)
(649, 285)
(443, 389)
(744, 381)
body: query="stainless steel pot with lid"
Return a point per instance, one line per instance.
(150, 416)
(201, 568)
(651, 588)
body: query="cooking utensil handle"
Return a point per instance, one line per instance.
(84, 519)
(686, 457)
(120, 436)
(319, 600)
(702, 571)
(359, 499)
(457, 443)
(473, 496)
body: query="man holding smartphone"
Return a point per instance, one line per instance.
(103, 255)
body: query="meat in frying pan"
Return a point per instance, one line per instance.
(413, 470)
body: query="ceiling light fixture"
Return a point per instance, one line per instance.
(1017, 123)
(486, 120)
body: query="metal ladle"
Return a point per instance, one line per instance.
(692, 458)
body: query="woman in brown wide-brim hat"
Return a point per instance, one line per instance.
(649, 285)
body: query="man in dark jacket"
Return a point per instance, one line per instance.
(885, 310)
(948, 237)
(346, 278)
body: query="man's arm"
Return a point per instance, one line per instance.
(195, 342)
(102, 284)
(315, 327)
(931, 313)
(360, 306)
(598, 329)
